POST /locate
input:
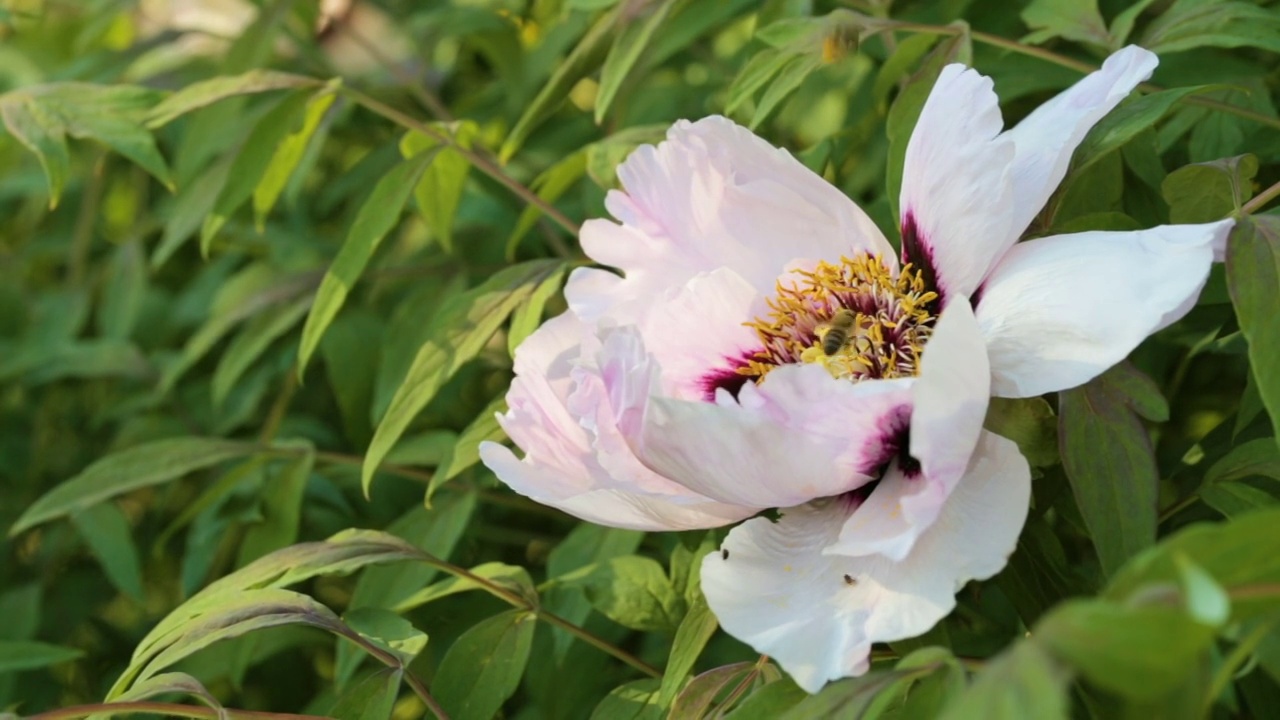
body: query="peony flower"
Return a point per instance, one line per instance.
(764, 348)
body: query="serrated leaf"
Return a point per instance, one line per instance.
(379, 213)
(631, 41)
(584, 58)
(289, 154)
(1253, 277)
(484, 665)
(458, 332)
(1101, 440)
(1210, 191)
(16, 655)
(210, 91)
(106, 530)
(121, 472)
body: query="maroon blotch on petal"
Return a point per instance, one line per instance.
(915, 250)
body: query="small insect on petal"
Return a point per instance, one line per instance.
(724, 554)
(848, 580)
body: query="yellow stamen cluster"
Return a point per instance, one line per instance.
(893, 318)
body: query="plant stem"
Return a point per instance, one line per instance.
(170, 709)
(1261, 199)
(393, 661)
(484, 164)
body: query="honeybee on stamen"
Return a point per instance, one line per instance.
(837, 331)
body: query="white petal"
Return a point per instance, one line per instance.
(950, 402)
(575, 457)
(1047, 137)
(956, 201)
(778, 592)
(1058, 311)
(714, 195)
(605, 506)
(799, 435)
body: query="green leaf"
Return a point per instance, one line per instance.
(636, 700)
(1128, 121)
(466, 451)
(483, 667)
(387, 630)
(123, 292)
(633, 591)
(851, 697)
(635, 36)
(1022, 682)
(105, 528)
(195, 201)
(906, 107)
(1102, 440)
(1210, 191)
(458, 332)
(289, 153)
(696, 698)
(697, 627)
(554, 182)
(439, 191)
(121, 472)
(1243, 556)
(1259, 457)
(1253, 277)
(528, 316)
(585, 58)
(584, 546)
(1191, 24)
(379, 213)
(345, 552)
(603, 157)
(16, 655)
(1077, 20)
(1030, 423)
(204, 93)
(373, 698)
(759, 69)
(789, 78)
(510, 577)
(174, 682)
(42, 134)
(771, 701)
(281, 508)
(252, 341)
(1236, 498)
(1138, 652)
(1123, 22)
(251, 162)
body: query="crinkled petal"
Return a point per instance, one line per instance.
(577, 496)
(950, 402)
(575, 457)
(714, 195)
(1058, 311)
(956, 201)
(817, 613)
(1046, 138)
(799, 435)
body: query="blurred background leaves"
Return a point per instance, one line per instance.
(263, 264)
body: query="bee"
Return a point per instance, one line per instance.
(837, 333)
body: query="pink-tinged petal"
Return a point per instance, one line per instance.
(1058, 311)
(714, 195)
(1047, 137)
(817, 613)
(950, 402)
(799, 435)
(956, 200)
(605, 506)
(575, 456)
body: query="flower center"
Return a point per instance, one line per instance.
(855, 318)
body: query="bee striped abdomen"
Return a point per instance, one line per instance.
(838, 330)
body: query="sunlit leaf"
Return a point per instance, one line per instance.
(484, 666)
(1253, 276)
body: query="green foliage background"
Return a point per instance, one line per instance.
(257, 290)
